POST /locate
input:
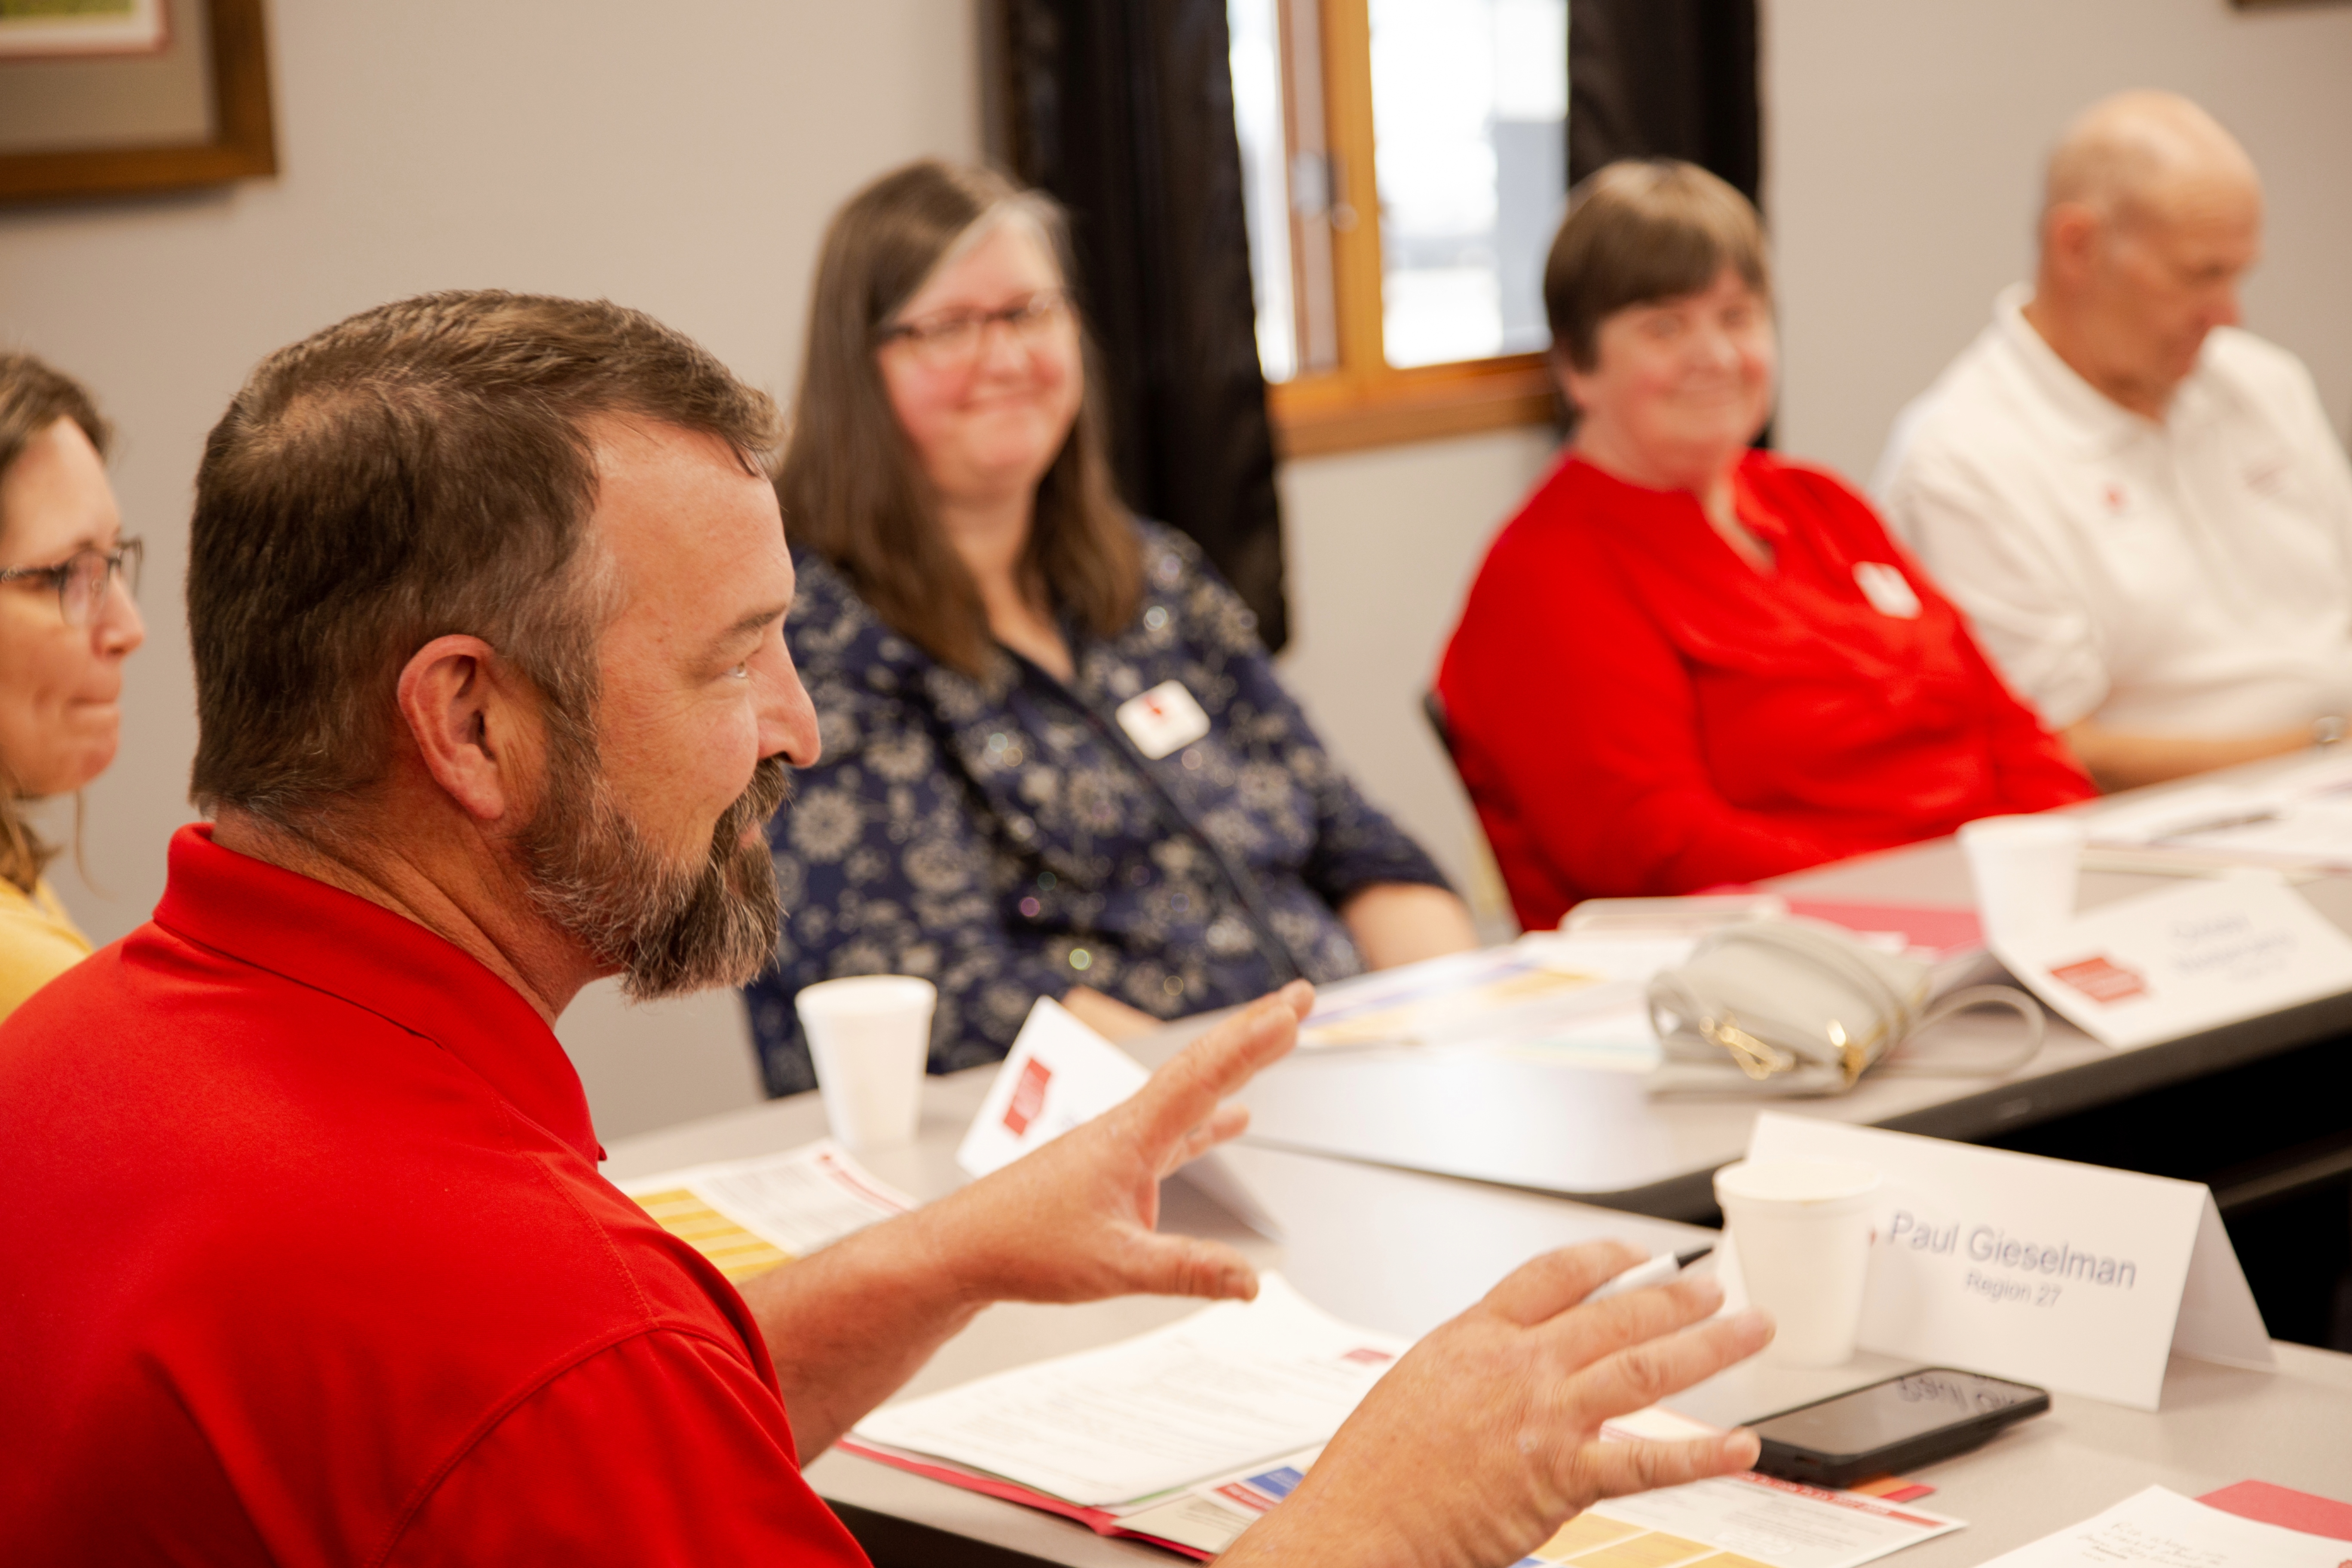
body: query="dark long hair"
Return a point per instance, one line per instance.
(850, 485)
(33, 397)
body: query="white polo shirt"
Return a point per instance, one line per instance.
(2188, 577)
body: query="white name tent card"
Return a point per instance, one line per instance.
(2073, 1277)
(2175, 963)
(1061, 1074)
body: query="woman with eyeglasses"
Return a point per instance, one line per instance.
(1056, 761)
(66, 622)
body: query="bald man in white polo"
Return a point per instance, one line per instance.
(2141, 507)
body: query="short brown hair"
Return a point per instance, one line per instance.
(1639, 231)
(850, 485)
(33, 397)
(420, 470)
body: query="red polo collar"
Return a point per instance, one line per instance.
(331, 941)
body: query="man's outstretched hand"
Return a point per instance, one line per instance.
(1070, 1222)
(1486, 1436)
(1073, 1221)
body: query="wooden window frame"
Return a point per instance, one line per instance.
(1347, 396)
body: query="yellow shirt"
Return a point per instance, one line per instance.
(37, 943)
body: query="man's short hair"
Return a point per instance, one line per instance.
(421, 469)
(1639, 231)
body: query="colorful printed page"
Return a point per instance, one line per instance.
(1210, 1517)
(1537, 988)
(751, 1215)
(1746, 1521)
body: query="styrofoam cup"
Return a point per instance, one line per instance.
(1802, 1230)
(2024, 869)
(869, 1037)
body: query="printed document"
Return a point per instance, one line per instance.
(2165, 1529)
(1539, 988)
(749, 1216)
(1716, 1523)
(1231, 1385)
(2298, 817)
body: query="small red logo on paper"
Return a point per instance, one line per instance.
(2101, 979)
(1028, 1096)
(1367, 1355)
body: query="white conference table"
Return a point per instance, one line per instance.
(1401, 1251)
(1600, 1137)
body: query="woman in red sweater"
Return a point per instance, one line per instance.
(1686, 662)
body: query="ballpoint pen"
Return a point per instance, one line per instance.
(1655, 1271)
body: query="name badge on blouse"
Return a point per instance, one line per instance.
(1888, 591)
(1162, 719)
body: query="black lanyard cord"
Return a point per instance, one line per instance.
(1243, 885)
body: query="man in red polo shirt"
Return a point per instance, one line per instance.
(308, 1260)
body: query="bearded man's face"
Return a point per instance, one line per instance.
(669, 924)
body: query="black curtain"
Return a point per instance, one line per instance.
(1123, 109)
(1664, 79)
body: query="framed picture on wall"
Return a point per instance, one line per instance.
(70, 29)
(104, 98)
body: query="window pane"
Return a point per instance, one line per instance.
(1469, 109)
(1256, 61)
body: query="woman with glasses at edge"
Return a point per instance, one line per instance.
(1056, 762)
(66, 622)
(1686, 662)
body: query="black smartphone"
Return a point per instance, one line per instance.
(1886, 1427)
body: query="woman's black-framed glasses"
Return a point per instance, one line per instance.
(81, 580)
(954, 339)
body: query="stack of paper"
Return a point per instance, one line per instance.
(1182, 1434)
(749, 1216)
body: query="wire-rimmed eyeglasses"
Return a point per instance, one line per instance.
(954, 339)
(81, 580)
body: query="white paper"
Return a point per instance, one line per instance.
(1059, 1075)
(748, 1215)
(2165, 1529)
(2073, 1277)
(2300, 817)
(1230, 1385)
(2188, 958)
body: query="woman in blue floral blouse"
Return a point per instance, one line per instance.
(1056, 762)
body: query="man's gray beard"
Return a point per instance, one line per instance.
(668, 928)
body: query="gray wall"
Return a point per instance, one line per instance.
(683, 160)
(1905, 141)
(688, 168)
